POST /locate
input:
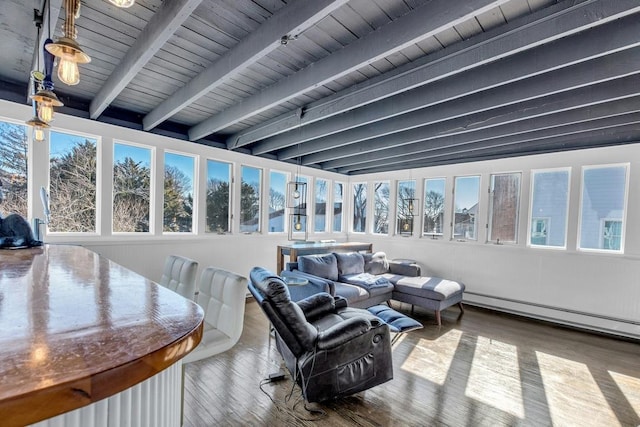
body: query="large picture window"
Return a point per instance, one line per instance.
(338, 190)
(434, 199)
(178, 193)
(131, 188)
(277, 201)
(504, 200)
(73, 182)
(13, 169)
(381, 208)
(251, 182)
(359, 207)
(549, 207)
(218, 197)
(320, 208)
(465, 207)
(602, 208)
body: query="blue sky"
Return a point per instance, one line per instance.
(137, 154)
(251, 175)
(466, 191)
(218, 170)
(278, 181)
(62, 143)
(183, 163)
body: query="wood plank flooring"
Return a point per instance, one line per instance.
(481, 369)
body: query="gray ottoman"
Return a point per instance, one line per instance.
(432, 293)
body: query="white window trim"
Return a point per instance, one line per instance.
(285, 220)
(372, 225)
(453, 208)
(434, 236)
(566, 217)
(490, 209)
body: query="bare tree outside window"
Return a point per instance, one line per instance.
(320, 209)
(72, 178)
(359, 207)
(434, 198)
(277, 201)
(338, 189)
(13, 168)
(381, 208)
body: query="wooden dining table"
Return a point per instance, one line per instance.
(79, 332)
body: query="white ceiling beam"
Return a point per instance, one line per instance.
(421, 23)
(544, 26)
(169, 17)
(288, 21)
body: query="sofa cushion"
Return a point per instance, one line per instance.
(376, 263)
(433, 288)
(351, 293)
(349, 263)
(319, 265)
(366, 280)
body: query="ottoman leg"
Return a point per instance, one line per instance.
(461, 307)
(438, 317)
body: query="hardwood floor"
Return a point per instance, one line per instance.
(483, 369)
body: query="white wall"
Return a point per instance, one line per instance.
(592, 290)
(600, 291)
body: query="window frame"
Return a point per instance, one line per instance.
(388, 210)
(532, 174)
(260, 199)
(434, 236)
(333, 207)
(326, 203)
(353, 203)
(453, 209)
(194, 189)
(625, 206)
(230, 181)
(491, 210)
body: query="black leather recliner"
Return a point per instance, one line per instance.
(330, 349)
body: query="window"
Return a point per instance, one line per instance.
(504, 198)
(381, 208)
(320, 209)
(13, 169)
(433, 207)
(250, 199)
(359, 207)
(131, 188)
(218, 197)
(549, 207)
(277, 201)
(602, 208)
(73, 183)
(406, 206)
(338, 189)
(465, 207)
(178, 193)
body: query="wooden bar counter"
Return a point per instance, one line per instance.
(76, 328)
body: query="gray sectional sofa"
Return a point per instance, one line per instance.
(365, 280)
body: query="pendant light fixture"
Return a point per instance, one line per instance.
(67, 49)
(122, 3)
(45, 97)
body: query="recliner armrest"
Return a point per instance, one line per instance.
(411, 270)
(343, 332)
(317, 305)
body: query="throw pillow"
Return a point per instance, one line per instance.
(350, 263)
(376, 263)
(319, 265)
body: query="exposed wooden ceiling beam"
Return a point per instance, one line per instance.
(545, 108)
(452, 145)
(582, 118)
(598, 138)
(160, 28)
(546, 25)
(408, 110)
(289, 20)
(413, 27)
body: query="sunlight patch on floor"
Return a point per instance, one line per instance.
(571, 392)
(431, 359)
(494, 378)
(630, 387)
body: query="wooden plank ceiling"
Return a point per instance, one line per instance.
(352, 86)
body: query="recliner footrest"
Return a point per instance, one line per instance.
(397, 322)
